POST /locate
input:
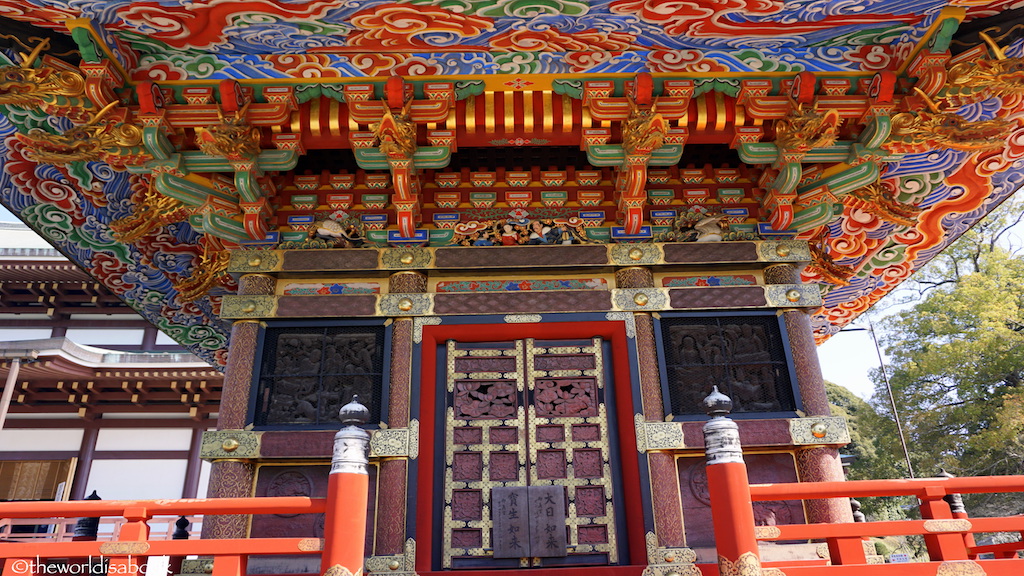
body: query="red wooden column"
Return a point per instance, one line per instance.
(667, 508)
(347, 492)
(814, 463)
(732, 511)
(233, 478)
(392, 479)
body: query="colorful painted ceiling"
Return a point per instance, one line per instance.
(145, 139)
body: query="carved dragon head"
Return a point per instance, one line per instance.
(22, 85)
(396, 132)
(984, 77)
(803, 130)
(644, 131)
(933, 128)
(116, 144)
(234, 138)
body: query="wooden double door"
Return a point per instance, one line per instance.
(528, 419)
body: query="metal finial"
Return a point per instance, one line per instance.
(944, 474)
(354, 413)
(716, 403)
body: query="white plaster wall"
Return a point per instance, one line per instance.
(204, 479)
(15, 334)
(40, 440)
(105, 336)
(151, 439)
(137, 479)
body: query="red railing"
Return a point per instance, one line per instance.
(948, 537)
(134, 545)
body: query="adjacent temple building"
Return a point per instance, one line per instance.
(530, 236)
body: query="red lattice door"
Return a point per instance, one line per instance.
(520, 414)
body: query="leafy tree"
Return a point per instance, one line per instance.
(957, 356)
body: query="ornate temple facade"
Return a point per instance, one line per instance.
(529, 236)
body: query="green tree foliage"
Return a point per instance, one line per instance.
(957, 356)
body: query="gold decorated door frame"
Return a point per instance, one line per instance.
(527, 413)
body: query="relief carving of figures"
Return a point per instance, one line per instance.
(485, 399)
(519, 230)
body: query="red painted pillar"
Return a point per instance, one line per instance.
(732, 512)
(347, 492)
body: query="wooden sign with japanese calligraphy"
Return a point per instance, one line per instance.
(528, 521)
(547, 521)
(510, 514)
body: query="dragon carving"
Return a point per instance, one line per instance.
(117, 144)
(920, 131)
(55, 91)
(644, 131)
(209, 272)
(234, 138)
(155, 211)
(875, 199)
(983, 78)
(824, 266)
(396, 133)
(802, 130)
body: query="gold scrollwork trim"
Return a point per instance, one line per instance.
(672, 570)
(636, 254)
(417, 326)
(310, 545)
(626, 317)
(249, 261)
(960, 568)
(772, 572)
(523, 318)
(339, 570)
(396, 442)
(248, 306)
(767, 532)
(746, 565)
(118, 548)
(196, 566)
(784, 251)
(664, 555)
(406, 304)
(651, 436)
(396, 564)
(640, 299)
(405, 258)
(233, 444)
(959, 525)
(819, 430)
(792, 295)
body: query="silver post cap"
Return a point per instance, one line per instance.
(354, 413)
(716, 403)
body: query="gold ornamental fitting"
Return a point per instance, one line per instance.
(636, 254)
(255, 261)
(407, 258)
(793, 295)
(819, 429)
(405, 304)
(394, 565)
(250, 307)
(782, 251)
(230, 445)
(641, 299)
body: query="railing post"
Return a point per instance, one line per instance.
(957, 508)
(732, 512)
(941, 545)
(347, 493)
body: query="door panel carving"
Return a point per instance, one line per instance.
(527, 413)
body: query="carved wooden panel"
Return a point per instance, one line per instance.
(527, 414)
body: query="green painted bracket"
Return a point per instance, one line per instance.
(845, 181)
(156, 143)
(425, 157)
(187, 191)
(614, 155)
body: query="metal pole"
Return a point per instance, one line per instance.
(892, 400)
